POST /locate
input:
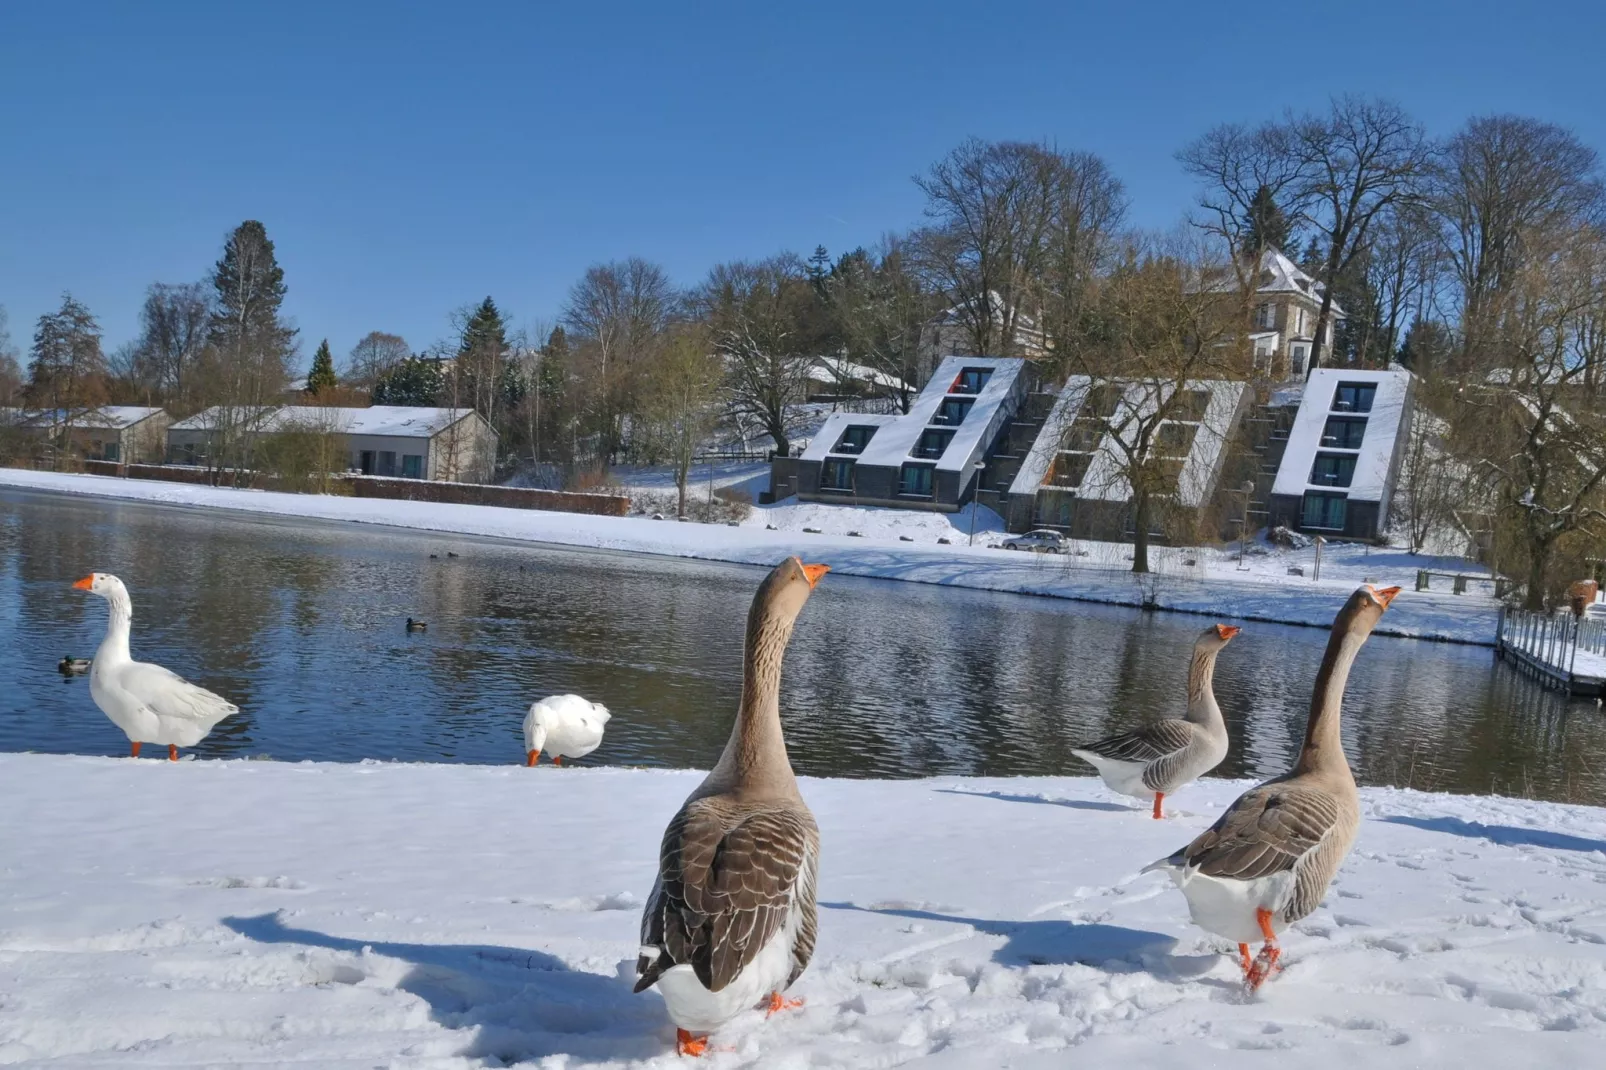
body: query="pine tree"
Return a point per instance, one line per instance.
(819, 269)
(479, 375)
(415, 381)
(322, 376)
(67, 370)
(1265, 223)
(1313, 261)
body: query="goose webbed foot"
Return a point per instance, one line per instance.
(690, 1044)
(778, 1003)
(172, 752)
(532, 757)
(133, 749)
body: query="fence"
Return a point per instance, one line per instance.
(1566, 653)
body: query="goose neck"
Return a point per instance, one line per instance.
(1202, 708)
(755, 755)
(120, 616)
(1324, 745)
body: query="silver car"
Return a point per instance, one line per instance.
(1040, 541)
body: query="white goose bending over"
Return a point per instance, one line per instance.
(732, 914)
(1162, 757)
(149, 703)
(1269, 859)
(565, 726)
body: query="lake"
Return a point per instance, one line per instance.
(302, 625)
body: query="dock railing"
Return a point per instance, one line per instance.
(1547, 646)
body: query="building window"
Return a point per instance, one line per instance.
(1333, 469)
(1266, 316)
(387, 462)
(1299, 323)
(952, 412)
(854, 439)
(933, 444)
(1054, 510)
(971, 380)
(1069, 469)
(1297, 355)
(1175, 440)
(412, 466)
(1343, 434)
(1324, 511)
(365, 462)
(1354, 397)
(836, 474)
(1190, 405)
(915, 480)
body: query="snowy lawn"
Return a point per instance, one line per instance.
(212, 913)
(1213, 584)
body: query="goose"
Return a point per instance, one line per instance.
(1162, 757)
(416, 625)
(1269, 859)
(731, 917)
(71, 666)
(149, 703)
(566, 725)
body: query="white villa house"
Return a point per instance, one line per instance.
(131, 434)
(401, 441)
(1283, 329)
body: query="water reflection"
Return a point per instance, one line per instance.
(301, 624)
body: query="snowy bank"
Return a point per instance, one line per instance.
(216, 913)
(1213, 584)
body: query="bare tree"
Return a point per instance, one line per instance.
(682, 401)
(173, 330)
(10, 371)
(1161, 330)
(1501, 188)
(373, 356)
(1357, 163)
(757, 318)
(1243, 168)
(1535, 429)
(1015, 230)
(616, 315)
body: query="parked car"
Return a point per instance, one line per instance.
(1041, 541)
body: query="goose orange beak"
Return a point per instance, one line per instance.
(1386, 595)
(814, 572)
(85, 584)
(1227, 631)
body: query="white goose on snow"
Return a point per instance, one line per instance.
(565, 726)
(149, 703)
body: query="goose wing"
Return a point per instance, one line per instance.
(168, 694)
(727, 879)
(1270, 829)
(1150, 743)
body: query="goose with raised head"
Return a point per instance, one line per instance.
(565, 726)
(731, 918)
(149, 703)
(1160, 758)
(1269, 859)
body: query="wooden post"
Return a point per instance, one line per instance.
(1316, 572)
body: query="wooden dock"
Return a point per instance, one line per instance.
(1561, 652)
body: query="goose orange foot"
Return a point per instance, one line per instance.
(1245, 961)
(1159, 797)
(532, 757)
(133, 749)
(688, 1044)
(779, 1003)
(1265, 966)
(172, 752)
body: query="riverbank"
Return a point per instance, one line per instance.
(1212, 585)
(469, 916)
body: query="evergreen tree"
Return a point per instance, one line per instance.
(485, 331)
(479, 378)
(819, 269)
(322, 375)
(246, 325)
(415, 381)
(1313, 261)
(67, 370)
(1265, 223)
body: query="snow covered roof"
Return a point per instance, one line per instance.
(830, 432)
(1105, 479)
(893, 444)
(1278, 274)
(221, 416)
(837, 370)
(381, 421)
(105, 417)
(1385, 422)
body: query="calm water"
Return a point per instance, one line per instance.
(301, 624)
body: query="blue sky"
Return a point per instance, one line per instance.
(410, 158)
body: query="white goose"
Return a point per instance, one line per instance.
(149, 703)
(731, 918)
(565, 726)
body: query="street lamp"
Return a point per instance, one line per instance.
(1247, 490)
(974, 504)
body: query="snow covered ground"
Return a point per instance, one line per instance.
(1207, 581)
(234, 913)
